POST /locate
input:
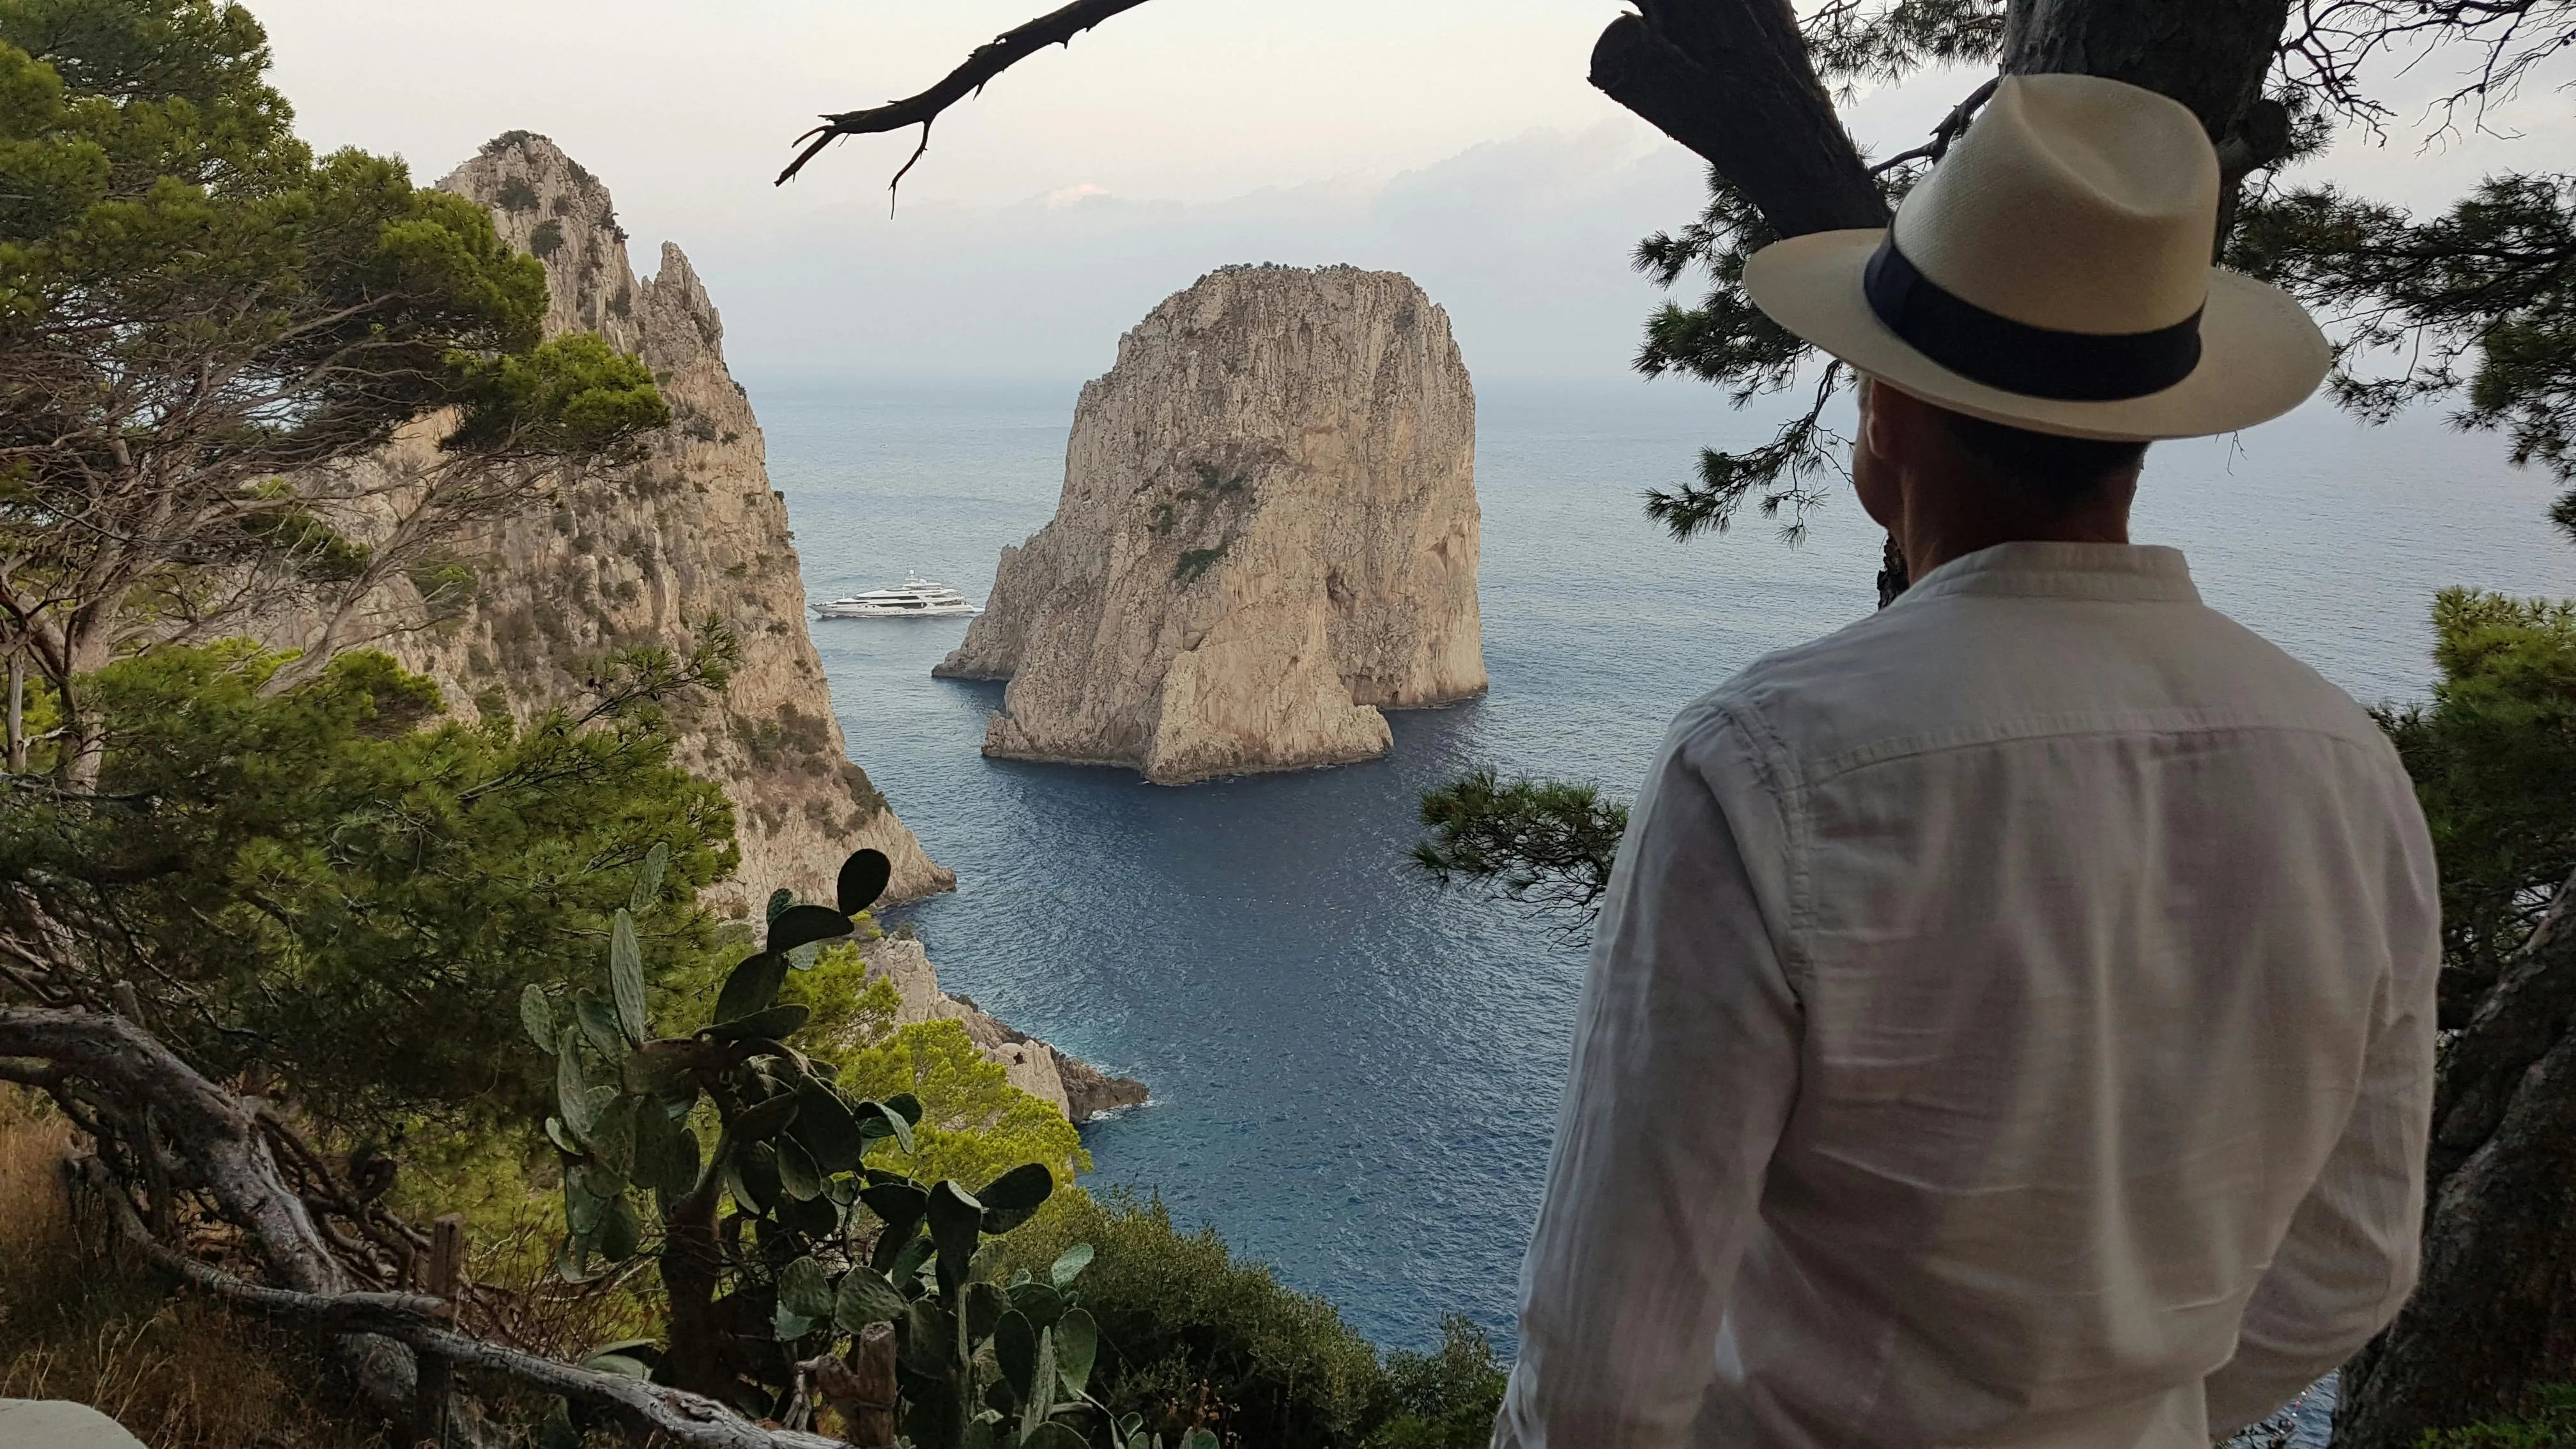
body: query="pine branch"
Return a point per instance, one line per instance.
(1546, 844)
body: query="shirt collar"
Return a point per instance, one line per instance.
(2115, 572)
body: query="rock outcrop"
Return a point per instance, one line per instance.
(648, 554)
(1268, 532)
(1076, 1088)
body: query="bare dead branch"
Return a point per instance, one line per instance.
(1057, 27)
(1943, 134)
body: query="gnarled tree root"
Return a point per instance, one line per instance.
(218, 1140)
(682, 1420)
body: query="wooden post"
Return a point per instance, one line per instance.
(446, 1274)
(870, 1410)
(18, 710)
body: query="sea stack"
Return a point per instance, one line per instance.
(1268, 533)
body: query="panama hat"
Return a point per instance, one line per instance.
(2052, 272)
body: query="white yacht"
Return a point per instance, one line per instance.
(919, 598)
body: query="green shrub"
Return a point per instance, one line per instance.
(978, 1124)
(1445, 1399)
(2550, 1424)
(1191, 1337)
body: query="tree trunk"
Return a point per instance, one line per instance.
(85, 649)
(1730, 79)
(2211, 55)
(699, 1357)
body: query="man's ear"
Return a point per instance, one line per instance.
(1873, 427)
(1892, 420)
(1876, 475)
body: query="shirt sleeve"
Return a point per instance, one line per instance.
(2354, 1245)
(1685, 1065)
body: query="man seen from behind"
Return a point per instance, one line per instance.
(2011, 1019)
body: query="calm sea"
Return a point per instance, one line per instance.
(1354, 1073)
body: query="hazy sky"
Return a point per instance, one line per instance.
(1454, 140)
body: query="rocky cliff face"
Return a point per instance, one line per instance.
(1268, 531)
(647, 554)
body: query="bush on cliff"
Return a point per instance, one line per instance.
(977, 1126)
(1189, 1335)
(1445, 1399)
(2494, 761)
(2551, 1424)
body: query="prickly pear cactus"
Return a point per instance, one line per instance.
(777, 1243)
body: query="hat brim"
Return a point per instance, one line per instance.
(2260, 354)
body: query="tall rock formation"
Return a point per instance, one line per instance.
(647, 554)
(1267, 533)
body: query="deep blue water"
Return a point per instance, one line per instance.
(1355, 1074)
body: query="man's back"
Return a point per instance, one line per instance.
(2088, 945)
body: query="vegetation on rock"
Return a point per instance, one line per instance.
(1195, 1337)
(2490, 757)
(2551, 1424)
(2494, 759)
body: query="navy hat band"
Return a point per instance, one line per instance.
(1986, 347)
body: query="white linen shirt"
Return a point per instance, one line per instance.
(2010, 1024)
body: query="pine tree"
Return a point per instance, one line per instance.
(200, 321)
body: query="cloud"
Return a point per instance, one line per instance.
(1524, 241)
(1057, 207)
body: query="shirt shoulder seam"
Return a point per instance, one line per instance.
(2159, 723)
(1779, 778)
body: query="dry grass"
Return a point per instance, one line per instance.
(178, 1370)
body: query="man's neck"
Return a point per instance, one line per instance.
(1939, 529)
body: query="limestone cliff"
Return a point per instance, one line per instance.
(646, 554)
(1268, 531)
